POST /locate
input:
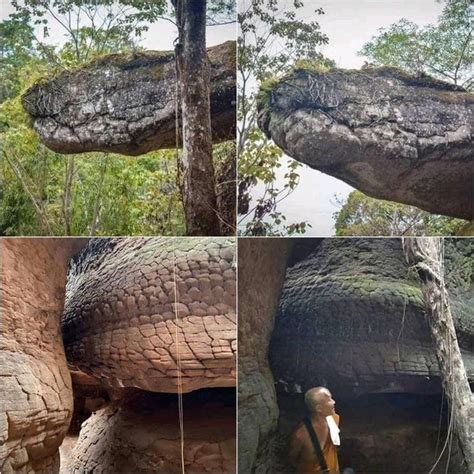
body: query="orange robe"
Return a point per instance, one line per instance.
(303, 456)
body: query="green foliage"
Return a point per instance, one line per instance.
(444, 50)
(363, 215)
(45, 193)
(271, 41)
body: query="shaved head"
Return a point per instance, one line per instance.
(314, 396)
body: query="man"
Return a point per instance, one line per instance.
(324, 421)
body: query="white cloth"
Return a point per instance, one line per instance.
(333, 430)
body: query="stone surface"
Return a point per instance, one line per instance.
(126, 103)
(262, 264)
(142, 435)
(124, 324)
(388, 134)
(35, 385)
(352, 316)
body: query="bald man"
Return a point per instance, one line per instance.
(324, 420)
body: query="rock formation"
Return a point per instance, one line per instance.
(119, 328)
(262, 264)
(357, 300)
(141, 435)
(393, 136)
(35, 386)
(119, 325)
(126, 103)
(350, 317)
(119, 320)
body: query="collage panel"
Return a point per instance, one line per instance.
(234, 237)
(370, 340)
(118, 117)
(118, 355)
(355, 120)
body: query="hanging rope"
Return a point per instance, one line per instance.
(178, 367)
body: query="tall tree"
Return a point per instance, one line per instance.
(199, 194)
(426, 256)
(444, 50)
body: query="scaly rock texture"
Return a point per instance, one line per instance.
(35, 386)
(126, 103)
(352, 317)
(125, 320)
(388, 134)
(142, 435)
(262, 265)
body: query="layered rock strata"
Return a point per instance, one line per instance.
(133, 306)
(391, 135)
(352, 317)
(126, 103)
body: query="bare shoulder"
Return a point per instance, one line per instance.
(299, 432)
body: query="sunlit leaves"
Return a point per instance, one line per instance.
(272, 38)
(444, 50)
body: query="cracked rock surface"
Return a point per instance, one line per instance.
(388, 134)
(142, 435)
(35, 386)
(126, 103)
(119, 321)
(262, 264)
(352, 316)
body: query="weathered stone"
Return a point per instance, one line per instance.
(391, 135)
(145, 335)
(35, 386)
(126, 103)
(335, 301)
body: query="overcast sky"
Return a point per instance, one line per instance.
(348, 24)
(160, 35)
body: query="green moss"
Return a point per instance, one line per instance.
(310, 65)
(266, 88)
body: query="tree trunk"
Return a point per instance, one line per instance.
(426, 255)
(199, 193)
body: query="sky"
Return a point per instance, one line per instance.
(349, 24)
(160, 36)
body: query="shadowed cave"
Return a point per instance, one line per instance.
(350, 317)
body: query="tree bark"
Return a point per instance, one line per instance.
(199, 193)
(426, 255)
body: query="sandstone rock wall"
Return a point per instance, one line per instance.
(119, 320)
(262, 264)
(351, 315)
(142, 435)
(35, 385)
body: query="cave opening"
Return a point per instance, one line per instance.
(208, 420)
(391, 432)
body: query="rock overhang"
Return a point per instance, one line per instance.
(392, 135)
